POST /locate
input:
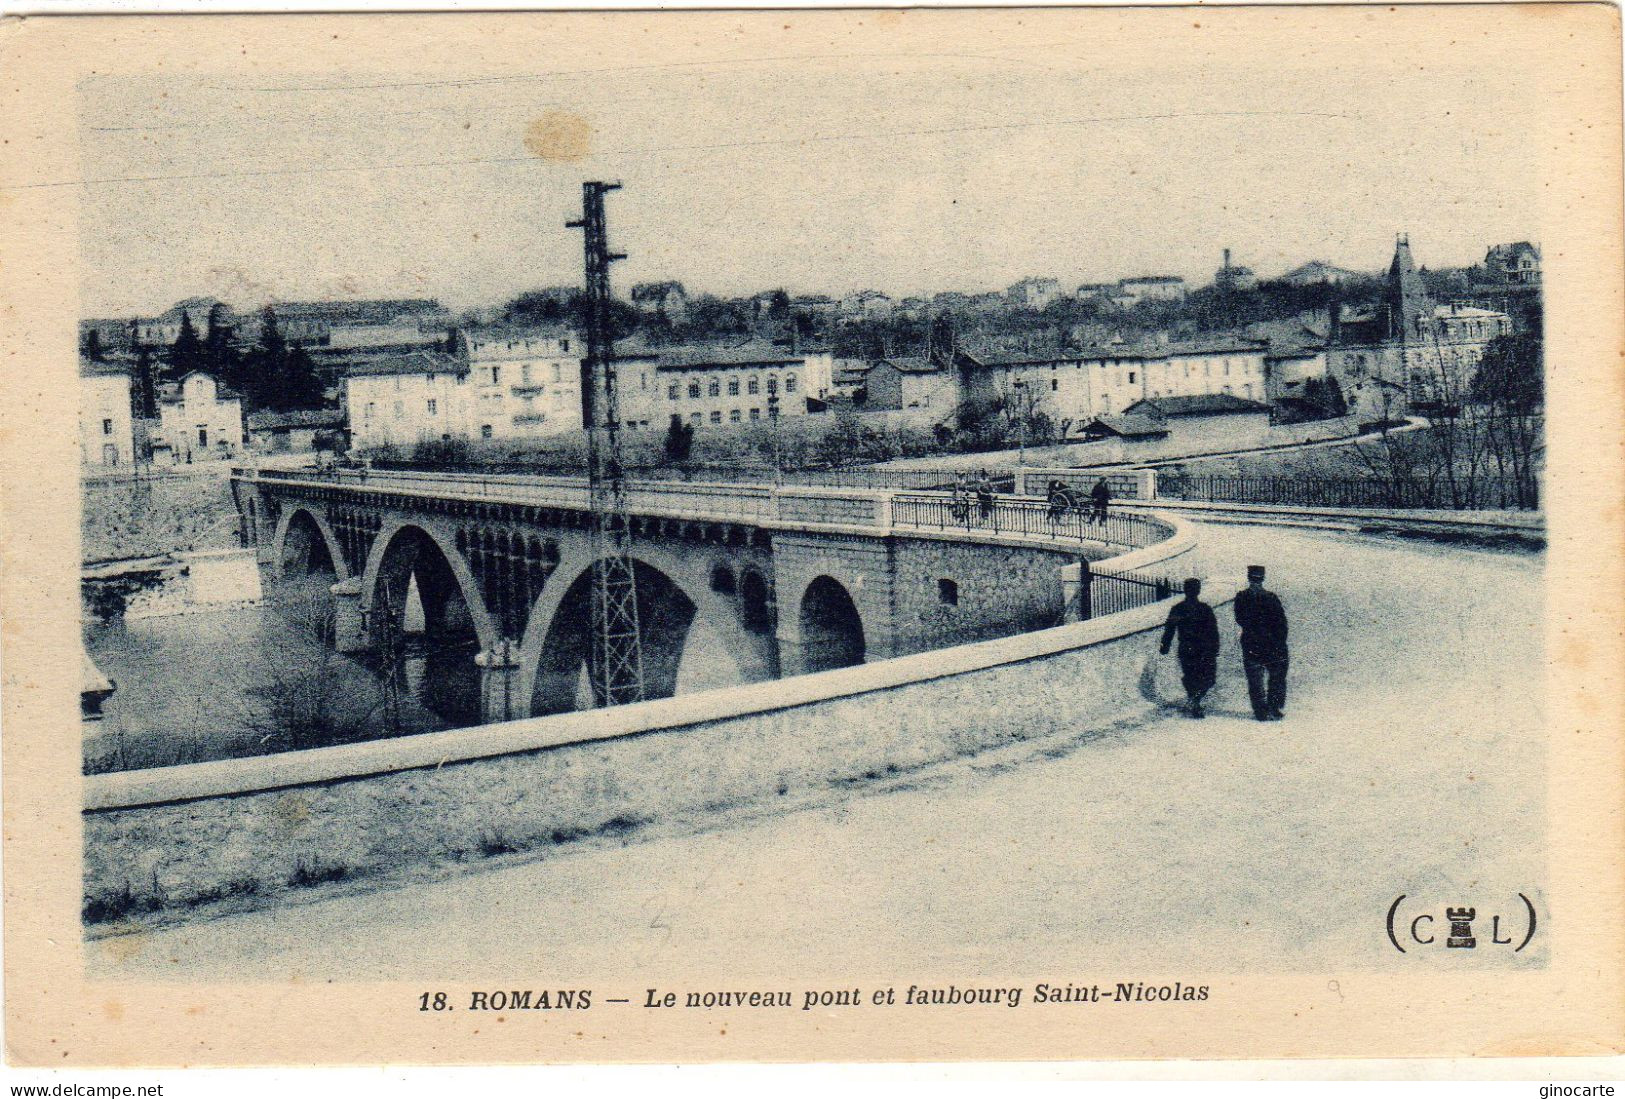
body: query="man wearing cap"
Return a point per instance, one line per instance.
(1263, 645)
(1198, 632)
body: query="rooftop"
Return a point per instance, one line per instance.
(314, 417)
(1203, 404)
(416, 361)
(911, 364)
(749, 353)
(1128, 425)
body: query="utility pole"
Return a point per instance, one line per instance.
(616, 661)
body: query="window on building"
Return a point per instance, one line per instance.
(694, 418)
(948, 592)
(753, 386)
(1131, 377)
(716, 417)
(485, 431)
(772, 384)
(107, 427)
(733, 416)
(714, 389)
(693, 390)
(789, 383)
(756, 414)
(733, 387)
(671, 393)
(496, 374)
(1054, 386)
(431, 407)
(524, 374)
(566, 345)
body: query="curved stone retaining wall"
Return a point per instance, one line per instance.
(178, 837)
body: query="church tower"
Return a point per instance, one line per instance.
(1409, 308)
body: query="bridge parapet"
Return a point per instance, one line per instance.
(798, 506)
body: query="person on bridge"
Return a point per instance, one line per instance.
(1198, 631)
(1263, 646)
(984, 496)
(1101, 495)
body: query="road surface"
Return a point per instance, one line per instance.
(1410, 762)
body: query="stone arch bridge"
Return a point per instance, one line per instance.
(759, 581)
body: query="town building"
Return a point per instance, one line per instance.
(923, 387)
(1232, 277)
(1408, 352)
(1316, 273)
(524, 381)
(667, 301)
(314, 322)
(713, 385)
(296, 432)
(164, 329)
(866, 305)
(1517, 263)
(1034, 293)
(106, 430)
(816, 306)
(1151, 288)
(198, 418)
(405, 397)
(1075, 387)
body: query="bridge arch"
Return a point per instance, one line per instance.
(303, 537)
(831, 629)
(677, 606)
(405, 552)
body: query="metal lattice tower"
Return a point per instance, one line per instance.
(616, 663)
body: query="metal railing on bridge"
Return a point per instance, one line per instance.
(998, 514)
(1502, 493)
(1112, 592)
(866, 477)
(1029, 517)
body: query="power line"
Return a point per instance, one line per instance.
(816, 139)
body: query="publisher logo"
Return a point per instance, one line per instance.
(1417, 927)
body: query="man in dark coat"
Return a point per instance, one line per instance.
(1101, 495)
(1198, 632)
(1263, 645)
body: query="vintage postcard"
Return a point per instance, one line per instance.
(813, 535)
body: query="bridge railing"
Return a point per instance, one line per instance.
(1032, 518)
(674, 498)
(722, 502)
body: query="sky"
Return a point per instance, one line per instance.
(819, 172)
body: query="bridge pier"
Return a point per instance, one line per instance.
(349, 617)
(500, 699)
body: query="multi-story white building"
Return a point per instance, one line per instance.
(106, 432)
(716, 385)
(1151, 288)
(408, 397)
(198, 418)
(1077, 386)
(523, 381)
(1034, 293)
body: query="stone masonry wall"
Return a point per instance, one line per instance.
(1000, 590)
(175, 855)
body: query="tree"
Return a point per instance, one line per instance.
(186, 354)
